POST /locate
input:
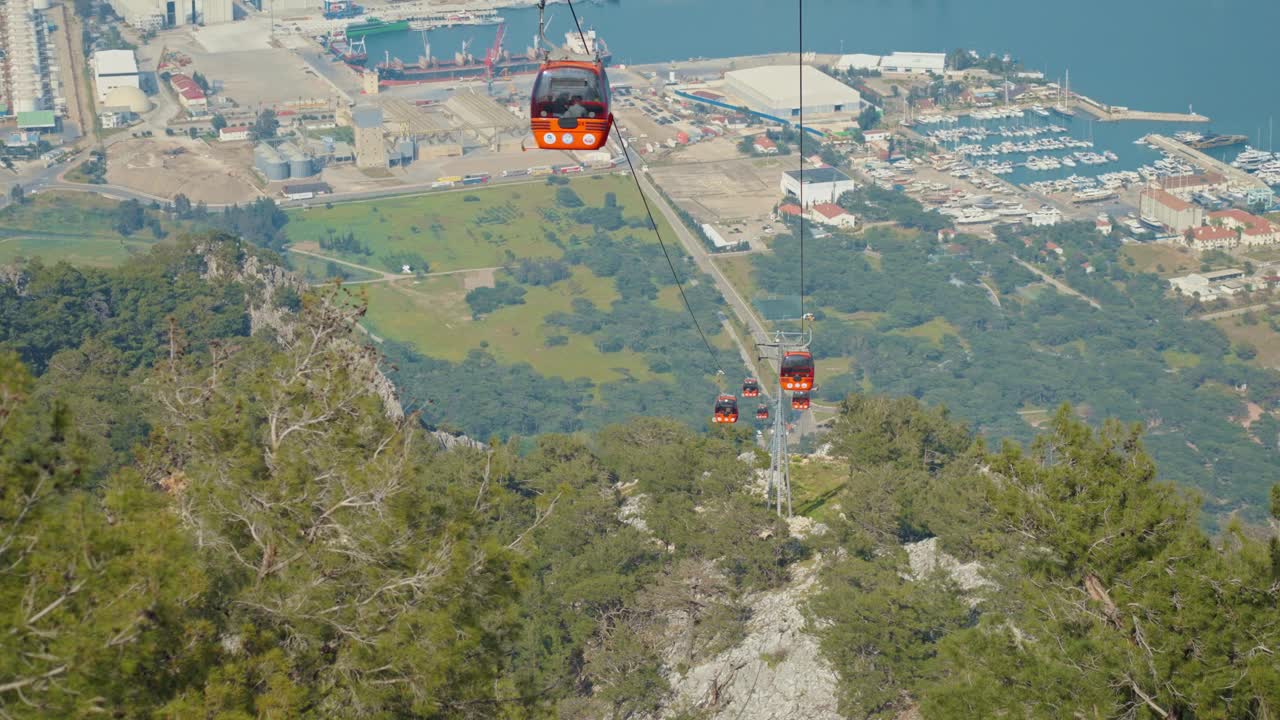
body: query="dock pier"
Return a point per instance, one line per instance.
(1234, 175)
(1116, 113)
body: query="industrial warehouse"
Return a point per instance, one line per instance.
(156, 14)
(775, 90)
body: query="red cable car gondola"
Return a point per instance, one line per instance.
(762, 412)
(750, 388)
(726, 409)
(570, 108)
(800, 401)
(797, 371)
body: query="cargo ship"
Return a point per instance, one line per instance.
(351, 52)
(465, 66)
(446, 20)
(374, 26)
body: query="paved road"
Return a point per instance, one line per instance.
(1061, 286)
(805, 425)
(1232, 312)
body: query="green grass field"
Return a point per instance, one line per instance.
(1261, 336)
(433, 316)
(70, 226)
(1179, 360)
(1152, 257)
(933, 331)
(814, 482)
(738, 270)
(315, 270)
(443, 228)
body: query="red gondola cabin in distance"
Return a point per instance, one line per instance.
(797, 371)
(726, 409)
(570, 108)
(800, 401)
(750, 388)
(762, 412)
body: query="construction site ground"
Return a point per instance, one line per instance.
(250, 71)
(723, 191)
(164, 167)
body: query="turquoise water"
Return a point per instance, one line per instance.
(1215, 55)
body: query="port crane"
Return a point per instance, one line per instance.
(493, 56)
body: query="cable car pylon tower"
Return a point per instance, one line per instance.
(778, 491)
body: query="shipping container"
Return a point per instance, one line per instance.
(449, 179)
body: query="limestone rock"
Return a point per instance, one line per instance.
(926, 558)
(775, 673)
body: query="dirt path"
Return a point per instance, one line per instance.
(1061, 286)
(1232, 312)
(486, 273)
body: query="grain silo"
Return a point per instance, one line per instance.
(269, 163)
(300, 163)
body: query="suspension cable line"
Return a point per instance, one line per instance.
(626, 153)
(800, 65)
(579, 26)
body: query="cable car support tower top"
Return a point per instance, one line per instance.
(778, 493)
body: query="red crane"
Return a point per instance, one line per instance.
(493, 55)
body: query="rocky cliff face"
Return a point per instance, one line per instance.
(264, 282)
(774, 673)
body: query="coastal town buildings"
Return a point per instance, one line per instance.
(833, 215)
(1211, 286)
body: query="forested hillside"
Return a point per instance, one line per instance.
(962, 324)
(1096, 592)
(270, 538)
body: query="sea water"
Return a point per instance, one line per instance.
(1215, 56)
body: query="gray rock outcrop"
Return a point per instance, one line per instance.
(775, 673)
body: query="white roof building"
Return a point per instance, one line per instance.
(716, 238)
(775, 90)
(821, 185)
(913, 62)
(858, 61)
(113, 69)
(1046, 216)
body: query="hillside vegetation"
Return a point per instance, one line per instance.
(275, 540)
(965, 325)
